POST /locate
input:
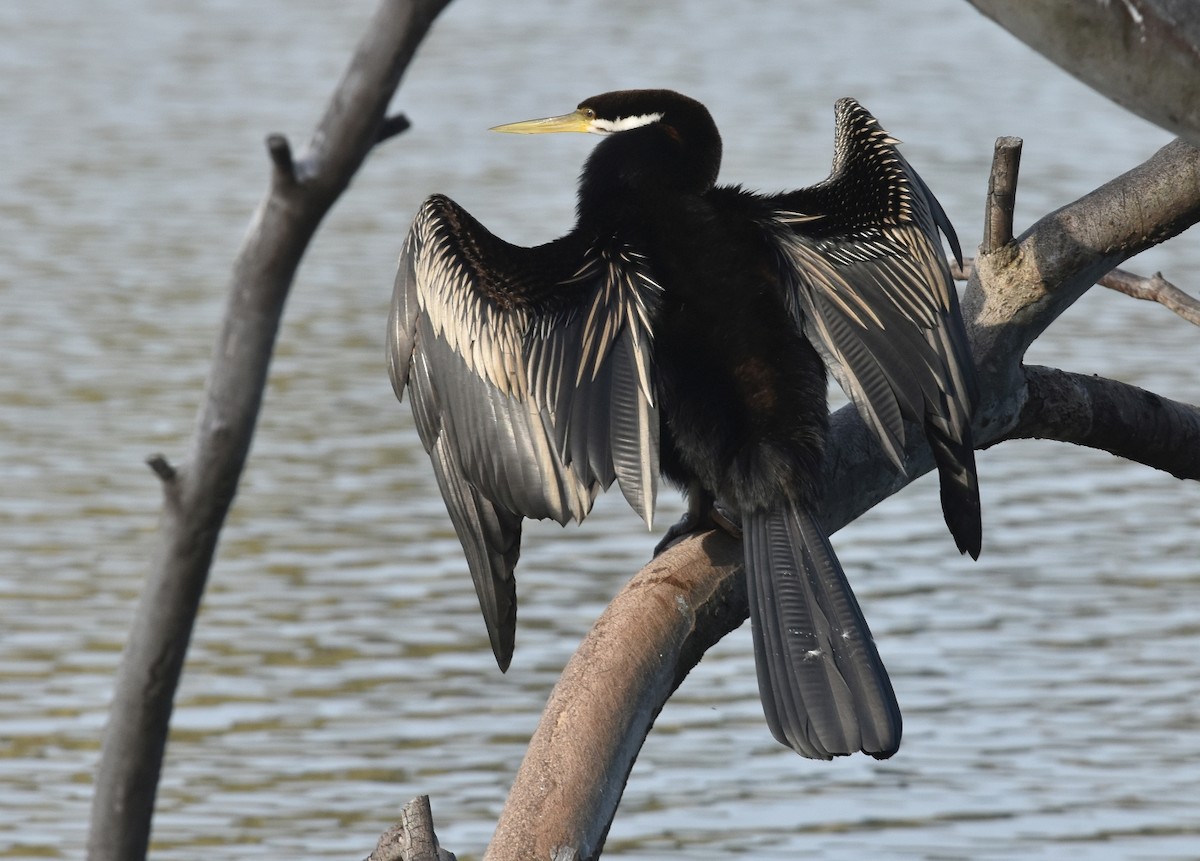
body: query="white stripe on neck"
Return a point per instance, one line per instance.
(604, 127)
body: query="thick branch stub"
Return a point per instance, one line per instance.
(1001, 194)
(281, 155)
(412, 837)
(392, 126)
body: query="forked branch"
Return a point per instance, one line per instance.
(199, 491)
(1156, 288)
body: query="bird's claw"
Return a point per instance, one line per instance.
(686, 525)
(727, 519)
(715, 516)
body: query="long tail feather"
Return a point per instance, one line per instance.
(824, 689)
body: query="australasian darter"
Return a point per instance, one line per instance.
(681, 327)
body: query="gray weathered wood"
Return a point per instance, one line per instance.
(198, 492)
(1142, 54)
(412, 838)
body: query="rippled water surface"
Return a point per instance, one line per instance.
(1051, 690)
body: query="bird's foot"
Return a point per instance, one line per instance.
(685, 526)
(727, 519)
(714, 516)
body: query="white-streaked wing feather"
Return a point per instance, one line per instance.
(872, 287)
(865, 276)
(531, 381)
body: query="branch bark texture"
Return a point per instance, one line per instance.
(1018, 290)
(412, 838)
(1111, 416)
(611, 691)
(198, 492)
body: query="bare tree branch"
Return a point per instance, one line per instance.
(1020, 289)
(1154, 289)
(198, 493)
(1112, 416)
(611, 691)
(574, 772)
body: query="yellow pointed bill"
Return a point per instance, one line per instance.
(576, 121)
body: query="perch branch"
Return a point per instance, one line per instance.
(608, 696)
(205, 483)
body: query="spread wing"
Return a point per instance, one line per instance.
(530, 377)
(867, 278)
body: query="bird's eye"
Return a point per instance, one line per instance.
(588, 113)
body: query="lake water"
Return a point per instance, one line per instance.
(1051, 690)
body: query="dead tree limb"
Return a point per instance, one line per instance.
(611, 691)
(199, 491)
(1156, 288)
(1142, 54)
(412, 837)
(1111, 416)
(1020, 289)
(574, 772)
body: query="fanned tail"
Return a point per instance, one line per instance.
(824, 688)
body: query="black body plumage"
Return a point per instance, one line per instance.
(685, 327)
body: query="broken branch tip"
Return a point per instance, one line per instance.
(161, 467)
(281, 155)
